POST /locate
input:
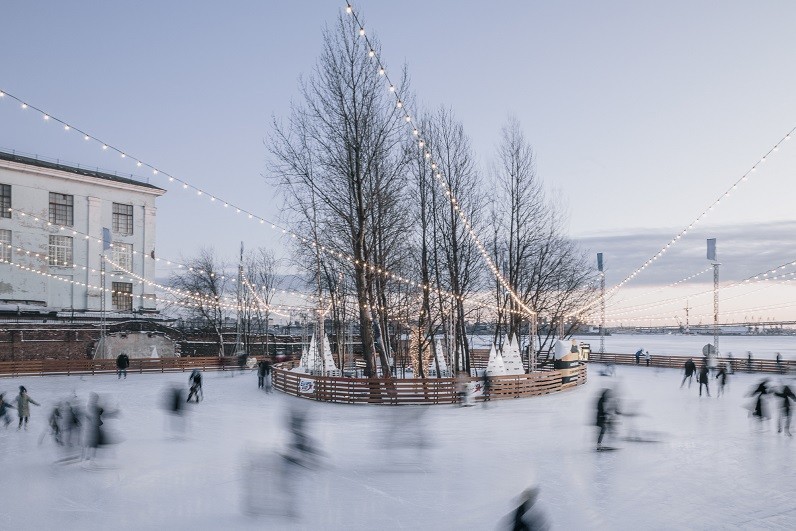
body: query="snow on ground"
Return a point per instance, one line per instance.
(713, 469)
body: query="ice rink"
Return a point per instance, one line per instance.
(440, 467)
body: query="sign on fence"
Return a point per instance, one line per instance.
(306, 386)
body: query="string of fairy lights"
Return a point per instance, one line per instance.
(765, 277)
(749, 173)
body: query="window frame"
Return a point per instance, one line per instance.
(117, 216)
(125, 260)
(119, 296)
(65, 209)
(5, 200)
(6, 251)
(54, 248)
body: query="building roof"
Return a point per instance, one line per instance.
(56, 165)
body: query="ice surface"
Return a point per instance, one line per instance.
(439, 467)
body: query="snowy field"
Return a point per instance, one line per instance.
(711, 469)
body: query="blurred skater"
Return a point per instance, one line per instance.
(639, 352)
(606, 412)
(302, 449)
(690, 369)
(721, 376)
(759, 409)
(784, 409)
(779, 363)
(487, 381)
(96, 435)
(173, 404)
(703, 379)
(23, 406)
(195, 380)
(4, 407)
(528, 516)
(261, 374)
(268, 378)
(122, 362)
(749, 361)
(647, 357)
(54, 422)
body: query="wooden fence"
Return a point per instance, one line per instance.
(399, 391)
(137, 365)
(678, 362)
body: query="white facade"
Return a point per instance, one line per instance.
(73, 203)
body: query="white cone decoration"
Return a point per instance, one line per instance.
(494, 366)
(561, 349)
(439, 354)
(321, 363)
(511, 357)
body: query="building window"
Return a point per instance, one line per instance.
(60, 251)
(5, 200)
(123, 255)
(122, 219)
(5, 245)
(122, 296)
(62, 209)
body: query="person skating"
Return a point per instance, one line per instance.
(779, 363)
(761, 390)
(122, 362)
(4, 407)
(196, 385)
(703, 379)
(261, 374)
(647, 357)
(639, 352)
(267, 376)
(690, 369)
(721, 376)
(487, 381)
(606, 410)
(785, 413)
(23, 406)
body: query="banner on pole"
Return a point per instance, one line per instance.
(599, 261)
(712, 249)
(106, 239)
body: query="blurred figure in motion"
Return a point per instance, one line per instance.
(784, 412)
(690, 369)
(301, 450)
(97, 436)
(528, 516)
(647, 357)
(404, 435)
(269, 387)
(4, 407)
(749, 361)
(54, 422)
(72, 415)
(195, 380)
(721, 376)
(780, 368)
(487, 382)
(759, 409)
(23, 406)
(122, 362)
(173, 405)
(703, 379)
(606, 413)
(261, 374)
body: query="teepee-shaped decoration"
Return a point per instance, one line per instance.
(318, 362)
(494, 366)
(439, 354)
(511, 357)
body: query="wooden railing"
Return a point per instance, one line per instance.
(678, 362)
(137, 365)
(419, 390)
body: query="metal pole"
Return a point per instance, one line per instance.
(102, 306)
(532, 343)
(716, 308)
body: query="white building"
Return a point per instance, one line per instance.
(73, 205)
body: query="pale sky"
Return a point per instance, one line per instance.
(641, 114)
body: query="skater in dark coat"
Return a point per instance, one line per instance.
(4, 407)
(785, 413)
(606, 409)
(760, 391)
(639, 352)
(23, 406)
(261, 374)
(195, 379)
(704, 378)
(122, 362)
(527, 516)
(721, 376)
(690, 369)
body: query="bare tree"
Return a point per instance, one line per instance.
(338, 162)
(203, 284)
